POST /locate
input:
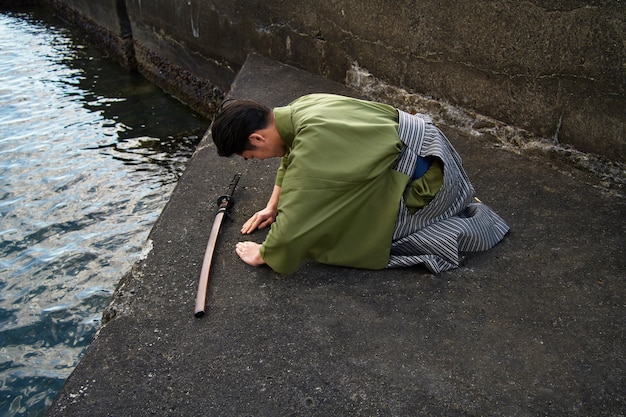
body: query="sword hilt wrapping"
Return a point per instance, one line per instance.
(225, 200)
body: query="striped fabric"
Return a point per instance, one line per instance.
(452, 222)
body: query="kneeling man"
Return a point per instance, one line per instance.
(360, 184)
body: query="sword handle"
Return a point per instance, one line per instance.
(224, 201)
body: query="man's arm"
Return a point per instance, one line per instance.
(265, 217)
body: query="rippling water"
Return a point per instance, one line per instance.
(89, 154)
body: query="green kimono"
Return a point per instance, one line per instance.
(340, 195)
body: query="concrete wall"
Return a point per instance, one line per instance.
(105, 21)
(556, 68)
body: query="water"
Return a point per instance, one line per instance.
(89, 155)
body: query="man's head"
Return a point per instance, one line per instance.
(235, 123)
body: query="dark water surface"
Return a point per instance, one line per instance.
(89, 155)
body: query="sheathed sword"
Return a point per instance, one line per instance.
(223, 203)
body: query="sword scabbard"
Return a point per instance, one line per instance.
(224, 203)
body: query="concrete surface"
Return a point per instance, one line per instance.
(532, 327)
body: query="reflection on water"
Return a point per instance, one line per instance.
(88, 157)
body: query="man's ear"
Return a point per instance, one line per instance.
(255, 138)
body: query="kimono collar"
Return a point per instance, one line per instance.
(282, 118)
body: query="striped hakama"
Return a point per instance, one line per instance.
(453, 221)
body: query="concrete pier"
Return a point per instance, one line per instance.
(534, 326)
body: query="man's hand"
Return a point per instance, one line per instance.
(259, 220)
(265, 217)
(250, 253)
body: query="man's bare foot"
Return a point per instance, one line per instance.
(250, 253)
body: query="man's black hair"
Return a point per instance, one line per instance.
(234, 124)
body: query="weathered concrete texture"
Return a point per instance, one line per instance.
(104, 21)
(193, 88)
(180, 72)
(532, 327)
(612, 173)
(553, 68)
(161, 57)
